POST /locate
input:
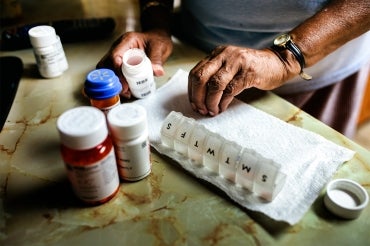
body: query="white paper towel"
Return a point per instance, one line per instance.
(308, 159)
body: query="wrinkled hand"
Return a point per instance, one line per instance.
(216, 79)
(156, 44)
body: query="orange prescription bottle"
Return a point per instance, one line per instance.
(103, 87)
(88, 154)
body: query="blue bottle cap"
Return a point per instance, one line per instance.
(102, 84)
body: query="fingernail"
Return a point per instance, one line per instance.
(202, 111)
(126, 94)
(158, 70)
(211, 113)
(118, 60)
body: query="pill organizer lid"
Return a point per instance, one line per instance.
(345, 198)
(127, 121)
(82, 128)
(102, 84)
(42, 36)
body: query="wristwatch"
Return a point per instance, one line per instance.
(286, 42)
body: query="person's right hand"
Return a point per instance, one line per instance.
(157, 45)
(228, 70)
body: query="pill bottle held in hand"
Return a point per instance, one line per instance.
(48, 50)
(138, 71)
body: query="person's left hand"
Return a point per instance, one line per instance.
(216, 79)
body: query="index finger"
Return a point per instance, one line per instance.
(197, 83)
(126, 42)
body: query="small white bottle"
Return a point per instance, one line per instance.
(138, 71)
(129, 131)
(48, 50)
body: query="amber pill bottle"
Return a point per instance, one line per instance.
(103, 87)
(88, 154)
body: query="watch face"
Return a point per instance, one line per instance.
(281, 40)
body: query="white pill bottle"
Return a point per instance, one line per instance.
(129, 130)
(138, 71)
(48, 50)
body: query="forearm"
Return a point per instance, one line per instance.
(156, 15)
(337, 23)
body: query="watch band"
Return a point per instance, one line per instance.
(286, 42)
(300, 58)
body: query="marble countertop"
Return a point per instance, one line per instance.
(169, 207)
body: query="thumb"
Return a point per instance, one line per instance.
(158, 69)
(157, 57)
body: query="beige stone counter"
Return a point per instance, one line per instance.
(169, 207)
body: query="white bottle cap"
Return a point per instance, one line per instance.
(82, 127)
(42, 36)
(127, 121)
(346, 198)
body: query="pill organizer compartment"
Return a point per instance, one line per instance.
(196, 144)
(229, 158)
(211, 152)
(268, 180)
(182, 136)
(169, 127)
(247, 168)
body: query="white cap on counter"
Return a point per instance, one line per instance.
(345, 198)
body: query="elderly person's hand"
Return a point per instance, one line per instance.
(157, 45)
(216, 79)
(229, 70)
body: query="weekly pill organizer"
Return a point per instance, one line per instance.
(259, 161)
(243, 167)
